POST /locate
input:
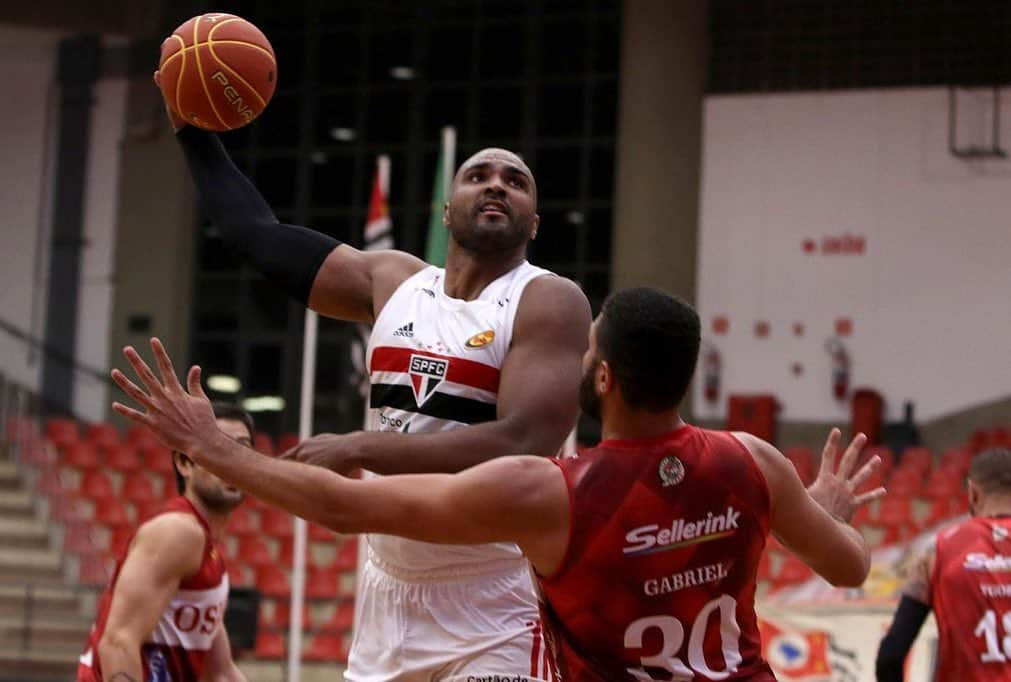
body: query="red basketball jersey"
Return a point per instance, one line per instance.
(658, 581)
(175, 650)
(971, 596)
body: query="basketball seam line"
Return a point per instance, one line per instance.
(210, 47)
(190, 48)
(200, 70)
(179, 78)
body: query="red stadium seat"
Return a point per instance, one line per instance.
(158, 460)
(255, 551)
(237, 575)
(95, 569)
(112, 513)
(81, 456)
(272, 581)
(326, 647)
(270, 645)
(147, 508)
(894, 511)
(52, 482)
(96, 486)
(792, 571)
(276, 523)
(342, 619)
(241, 522)
(321, 583)
(287, 552)
(979, 441)
(905, 482)
(320, 534)
(102, 435)
(956, 459)
(803, 461)
(262, 442)
(141, 437)
(944, 484)
(282, 615)
(122, 458)
(138, 488)
(922, 458)
(286, 442)
(886, 455)
(78, 538)
(166, 488)
(347, 555)
(62, 432)
(119, 540)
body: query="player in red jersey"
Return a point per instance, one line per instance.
(966, 579)
(162, 617)
(646, 547)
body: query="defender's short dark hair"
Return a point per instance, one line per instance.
(991, 470)
(651, 341)
(222, 410)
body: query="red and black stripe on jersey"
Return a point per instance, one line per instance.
(447, 399)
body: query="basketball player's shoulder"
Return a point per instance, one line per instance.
(175, 528)
(556, 302)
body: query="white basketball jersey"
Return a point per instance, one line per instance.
(434, 365)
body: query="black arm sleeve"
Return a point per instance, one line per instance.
(899, 639)
(288, 255)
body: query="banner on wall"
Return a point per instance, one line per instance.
(836, 645)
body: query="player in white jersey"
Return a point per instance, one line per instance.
(162, 615)
(439, 404)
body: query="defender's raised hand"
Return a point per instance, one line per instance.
(179, 418)
(835, 487)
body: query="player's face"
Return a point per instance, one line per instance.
(213, 492)
(493, 204)
(589, 399)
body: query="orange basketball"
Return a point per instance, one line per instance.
(218, 71)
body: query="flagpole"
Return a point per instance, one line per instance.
(449, 153)
(306, 405)
(377, 236)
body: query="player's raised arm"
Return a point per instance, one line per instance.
(333, 279)
(165, 550)
(817, 530)
(537, 399)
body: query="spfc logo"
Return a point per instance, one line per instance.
(426, 374)
(999, 533)
(672, 471)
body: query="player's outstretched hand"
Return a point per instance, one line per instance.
(835, 488)
(180, 418)
(175, 119)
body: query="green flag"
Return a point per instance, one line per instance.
(438, 235)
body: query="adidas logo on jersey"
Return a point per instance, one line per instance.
(407, 330)
(650, 539)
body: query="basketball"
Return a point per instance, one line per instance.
(217, 71)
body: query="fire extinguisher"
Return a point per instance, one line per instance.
(710, 372)
(840, 367)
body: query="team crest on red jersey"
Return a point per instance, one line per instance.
(426, 374)
(672, 471)
(999, 533)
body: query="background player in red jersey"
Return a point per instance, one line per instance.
(646, 547)
(162, 616)
(965, 577)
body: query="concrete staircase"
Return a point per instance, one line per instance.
(44, 619)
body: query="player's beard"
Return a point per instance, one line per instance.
(217, 498)
(589, 401)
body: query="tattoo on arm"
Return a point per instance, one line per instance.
(918, 582)
(122, 677)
